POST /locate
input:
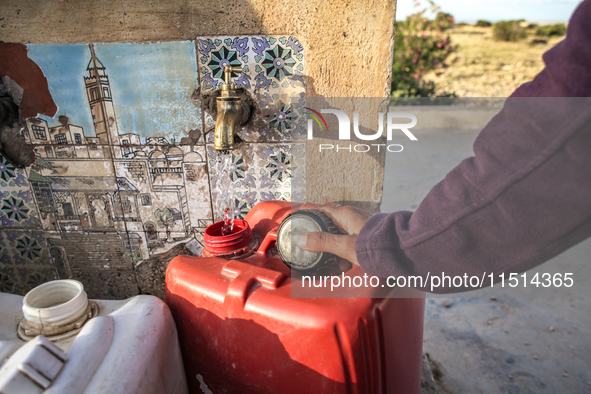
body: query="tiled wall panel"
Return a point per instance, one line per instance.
(124, 180)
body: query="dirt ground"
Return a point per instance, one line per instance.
(489, 68)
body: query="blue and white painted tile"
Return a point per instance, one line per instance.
(17, 205)
(298, 172)
(75, 194)
(167, 192)
(258, 172)
(11, 177)
(273, 70)
(24, 260)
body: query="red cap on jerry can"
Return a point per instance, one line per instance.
(237, 243)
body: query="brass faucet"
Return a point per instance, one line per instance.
(229, 107)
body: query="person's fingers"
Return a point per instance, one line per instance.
(348, 219)
(333, 213)
(340, 245)
(320, 242)
(327, 208)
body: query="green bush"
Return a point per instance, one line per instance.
(508, 31)
(444, 20)
(558, 29)
(420, 46)
(538, 41)
(482, 23)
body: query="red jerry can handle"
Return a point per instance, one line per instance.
(269, 240)
(245, 276)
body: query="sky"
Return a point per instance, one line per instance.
(495, 10)
(151, 85)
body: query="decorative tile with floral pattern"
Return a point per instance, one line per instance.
(298, 172)
(10, 176)
(257, 172)
(272, 71)
(17, 209)
(24, 260)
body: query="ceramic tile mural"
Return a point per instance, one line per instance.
(123, 179)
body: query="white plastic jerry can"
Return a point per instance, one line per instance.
(54, 340)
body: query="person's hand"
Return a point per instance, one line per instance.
(348, 220)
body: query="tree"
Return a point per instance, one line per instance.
(482, 23)
(420, 46)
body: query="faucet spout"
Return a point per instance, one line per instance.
(229, 117)
(229, 109)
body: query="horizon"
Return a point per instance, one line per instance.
(469, 11)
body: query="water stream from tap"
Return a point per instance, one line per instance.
(225, 191)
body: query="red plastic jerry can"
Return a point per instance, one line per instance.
(241, 331)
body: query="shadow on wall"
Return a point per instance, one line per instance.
(355, 166)
(151, 273)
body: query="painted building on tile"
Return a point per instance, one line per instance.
(146, 204)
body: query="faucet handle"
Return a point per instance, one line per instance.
(228, 70)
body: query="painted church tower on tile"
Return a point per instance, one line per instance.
(100, 100)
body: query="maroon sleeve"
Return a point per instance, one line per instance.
(524, 197)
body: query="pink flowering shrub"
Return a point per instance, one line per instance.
(421, 45)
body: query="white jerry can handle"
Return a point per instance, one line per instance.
(41, 367)
(32, 368)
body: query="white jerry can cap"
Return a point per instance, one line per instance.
(56, 309)
(32, 368)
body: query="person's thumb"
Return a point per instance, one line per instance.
(340, 245)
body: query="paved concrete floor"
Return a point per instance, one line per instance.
(494, 340)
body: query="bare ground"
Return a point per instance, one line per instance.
(489, 68)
